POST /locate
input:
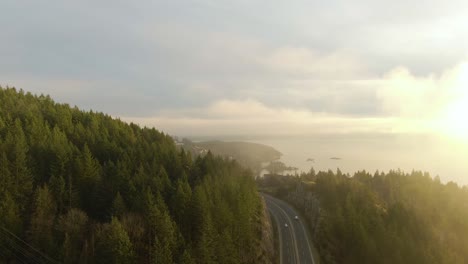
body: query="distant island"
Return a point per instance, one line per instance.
(335, 158)
(310, 159)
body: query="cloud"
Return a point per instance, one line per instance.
(284, 62)
(405, 95)
(408, 104)
(226, 65)
(61, 89)
(251, 117)
(309, 63)
(197, 53)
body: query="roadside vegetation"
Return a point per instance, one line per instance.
(392, 217)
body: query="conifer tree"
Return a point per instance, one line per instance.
(113, 244)
(118, 206)
(21, 175)
(42, 222)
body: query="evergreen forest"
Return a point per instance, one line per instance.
(83, 187)
(392, 217)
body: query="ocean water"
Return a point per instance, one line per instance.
(371, 152)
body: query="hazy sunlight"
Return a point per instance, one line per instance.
(454, 118)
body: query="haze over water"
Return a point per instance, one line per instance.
(371, 152)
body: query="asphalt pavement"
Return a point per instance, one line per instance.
(294, 243)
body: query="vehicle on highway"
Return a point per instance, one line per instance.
(296, 217)
(286, 225)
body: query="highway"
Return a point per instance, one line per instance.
(294, 243)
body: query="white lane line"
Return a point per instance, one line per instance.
(279, 231)
(308, 243)
(292, 227)
(305, 233)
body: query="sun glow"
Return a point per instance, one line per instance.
(454, 121)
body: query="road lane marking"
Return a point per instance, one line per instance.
(302, 227)
(279, 231)
(297, 256)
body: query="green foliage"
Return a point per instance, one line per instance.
(9, 213)
(9, 210)
(42, 221)
(248, 154)
(384, 218)
(113, 244)
(86, 188)
(118, 206)
(57, 188)
(73, 225)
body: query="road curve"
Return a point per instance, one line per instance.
(294, 243)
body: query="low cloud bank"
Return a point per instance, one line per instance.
(407, 104)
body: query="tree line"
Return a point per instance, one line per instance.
(82, 187)
(393, 217)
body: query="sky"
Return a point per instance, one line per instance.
(202, 67)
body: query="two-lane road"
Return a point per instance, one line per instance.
(294, 242)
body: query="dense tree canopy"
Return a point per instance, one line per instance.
(392, 217)
(83, 187)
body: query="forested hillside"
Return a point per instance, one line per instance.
(248, 154)
(82, 187)
(393, 217)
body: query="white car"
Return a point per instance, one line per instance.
(286, 225)
(296, 217)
